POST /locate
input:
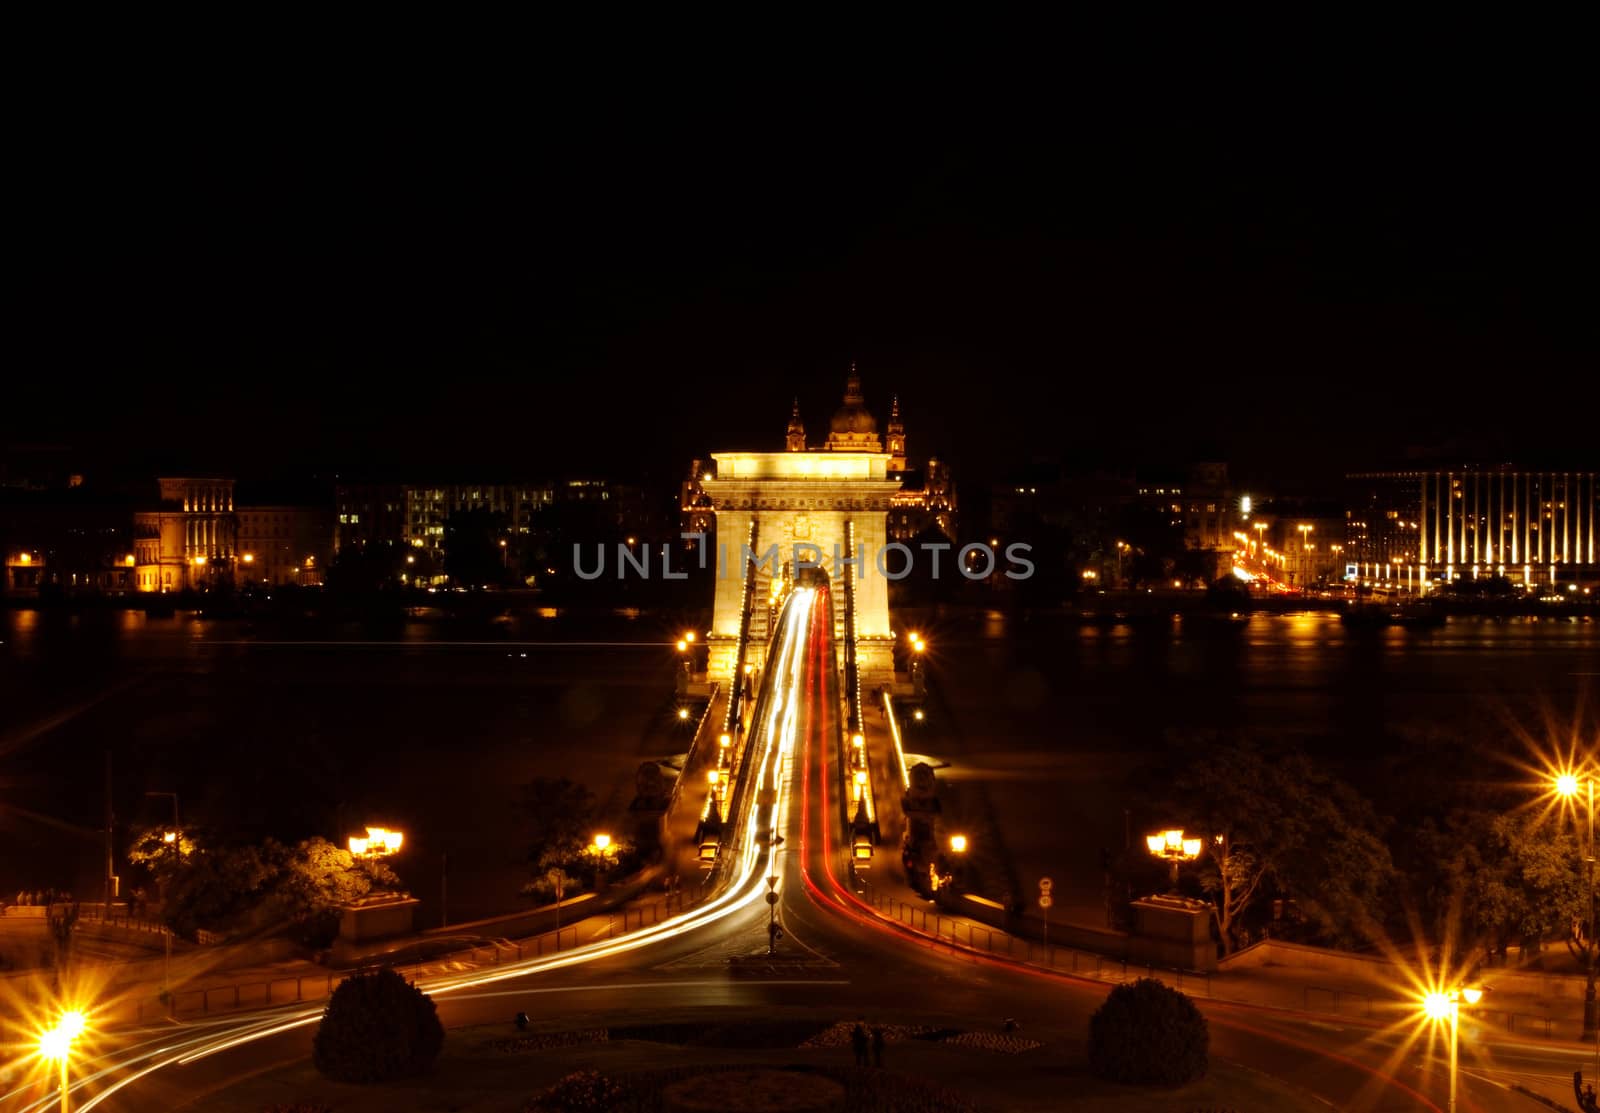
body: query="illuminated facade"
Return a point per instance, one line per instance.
(190, 541)
(1427, 526)
(826, 499)
(696, 514)
(369, 514)
(283, 545)
(428, 508)
(926, 499)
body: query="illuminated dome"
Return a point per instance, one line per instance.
(852, 417)
(853, 429)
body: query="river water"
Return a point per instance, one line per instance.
(430, 725)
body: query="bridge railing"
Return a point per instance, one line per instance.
(964, 935)
(739, 765)
(746, 607)
(262, 992)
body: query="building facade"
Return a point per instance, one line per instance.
(369, 514)
(1430, 526)
(284, 545)
(190, 541)
(428, 508)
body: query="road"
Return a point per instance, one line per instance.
(837, 954)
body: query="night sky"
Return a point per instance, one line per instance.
(567, 277)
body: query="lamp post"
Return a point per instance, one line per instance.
(1175, 849)
(56, 1043)
(1568, 786)
(600, 848)
(1441, 1005)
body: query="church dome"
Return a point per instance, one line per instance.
(852, 417)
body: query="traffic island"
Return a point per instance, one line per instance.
(933, 1064)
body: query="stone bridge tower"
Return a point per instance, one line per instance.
(804, 497)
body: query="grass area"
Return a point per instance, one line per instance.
(493, 1069)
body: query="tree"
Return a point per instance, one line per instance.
(472, 552)
(1278, 819)
(560, 813)
(316, 878)
(1490, 879)
(215, 889)
(249, 888)
(377, 1027)
(554, 883)
(1149, 1033)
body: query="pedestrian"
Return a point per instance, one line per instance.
(877, 1045)
(522, 1022)
(858, 1042)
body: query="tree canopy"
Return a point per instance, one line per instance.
(1274, 820)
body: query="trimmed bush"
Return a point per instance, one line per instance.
(585, 1091)
(376, 1027)
(1148, 1033)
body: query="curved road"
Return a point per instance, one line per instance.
(838, 954)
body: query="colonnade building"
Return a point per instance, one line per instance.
(1422, 527)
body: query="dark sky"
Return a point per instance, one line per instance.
(621, 275)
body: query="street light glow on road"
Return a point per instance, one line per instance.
(757, 859)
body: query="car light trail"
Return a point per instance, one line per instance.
(844, 902)
(773, 770)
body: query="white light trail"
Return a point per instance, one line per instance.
(773, 770)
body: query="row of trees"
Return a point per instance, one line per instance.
(251, 889)
(1472, 873)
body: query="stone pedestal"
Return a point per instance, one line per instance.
(1172, 931)
(379, 916)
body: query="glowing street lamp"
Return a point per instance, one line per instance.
(1172, 846)
(600, 848)
(379, 842)
(1568, 786)
(56, 1043)
(1445, 1005)
(958, 844)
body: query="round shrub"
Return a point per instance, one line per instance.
(1149, 1033)
(585, 1091)
(376, 1027)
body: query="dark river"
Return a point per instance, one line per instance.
(430, 725)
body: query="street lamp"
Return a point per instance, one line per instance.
(1568, 786)
(1172, 846)
(1441, 1005)
(379, 842)
(600, 848)
(56, 1043)
(958, 844)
